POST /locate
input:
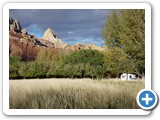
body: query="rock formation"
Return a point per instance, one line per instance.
(80, 46)
(27, 46)
(15, 23)
(51, 36)
(23, 44)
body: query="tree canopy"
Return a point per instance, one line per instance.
(124, 34)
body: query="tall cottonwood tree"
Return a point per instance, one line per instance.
(124, 34)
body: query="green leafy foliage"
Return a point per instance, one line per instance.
(87, 63)
(78, 64)
(124, 34)
(14, 65)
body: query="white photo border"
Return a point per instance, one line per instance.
(8, 6)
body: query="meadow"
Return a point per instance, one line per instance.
(64, 93)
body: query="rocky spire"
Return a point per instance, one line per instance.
(15, 23)
(51, 36)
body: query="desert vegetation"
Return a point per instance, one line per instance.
(74, 94)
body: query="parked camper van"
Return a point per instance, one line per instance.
(126, 76)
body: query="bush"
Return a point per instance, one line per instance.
(92, 63)
(33, 70)
(14, 65)
(78, 64)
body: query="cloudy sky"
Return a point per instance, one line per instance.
(71, 26)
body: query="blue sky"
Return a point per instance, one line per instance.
(71, 26)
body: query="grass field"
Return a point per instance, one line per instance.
(74, 94)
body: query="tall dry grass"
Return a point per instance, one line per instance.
(74, 94)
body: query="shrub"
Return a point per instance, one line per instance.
(14, 65)
(77, 64)
(92, 62)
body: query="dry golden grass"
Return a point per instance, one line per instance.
(74, 94)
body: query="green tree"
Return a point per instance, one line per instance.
(124, 31)
(90, 63)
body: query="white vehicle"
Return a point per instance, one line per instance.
(126, 76)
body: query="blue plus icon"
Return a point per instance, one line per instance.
(147, 99)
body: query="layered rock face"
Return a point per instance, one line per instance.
(23, 44)
(27, 46)
(23, 49)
